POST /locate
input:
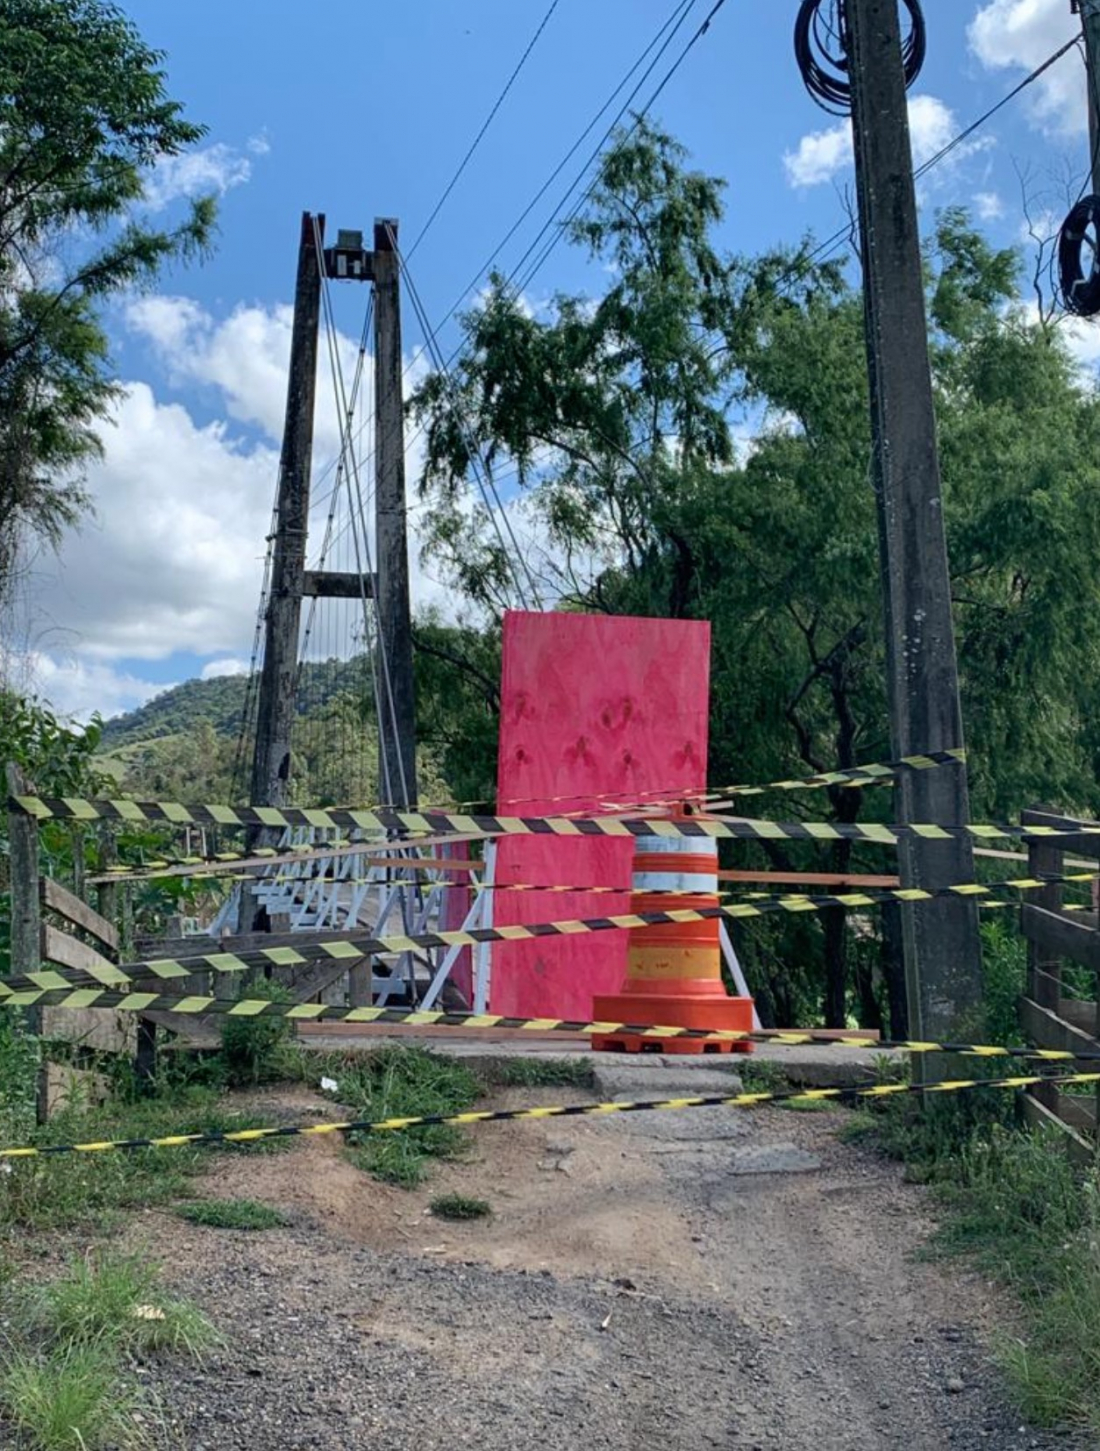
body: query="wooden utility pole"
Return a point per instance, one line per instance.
(396, 702)
(1089, 11)
(275, 706)
(943, 955)
(26, 914)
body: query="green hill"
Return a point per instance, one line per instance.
(219, 702)
(186, 742)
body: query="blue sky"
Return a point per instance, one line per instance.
(360, 111)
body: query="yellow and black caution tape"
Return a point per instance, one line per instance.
(870, 775)
(353, 949)
(65, 995)
(510, 1115)
(45, 808)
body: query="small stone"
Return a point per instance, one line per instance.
(954, 1385)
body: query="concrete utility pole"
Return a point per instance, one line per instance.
(396, 701)
(943, 954)
(1089, 11)
(275, 706)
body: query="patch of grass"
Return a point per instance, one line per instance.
(402, 1083)
(859, 1127)
(542, 1073)
(1016, 1208)
(69, 1399)
(251, 1046)
(460, 1206)
(71, 1189)
(763, 1075)
(116, 1298)
(232, 1214)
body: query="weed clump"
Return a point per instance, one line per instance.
(244, 1214)
(460, 1206)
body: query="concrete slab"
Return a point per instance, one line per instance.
(813, 1066)
(772, 1159)
(668, 1080)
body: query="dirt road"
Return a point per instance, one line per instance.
(701, 1279)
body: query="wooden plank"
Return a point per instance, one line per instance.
(60, 900)
(70, 1086)
(26, 913)
(1077, 1147)
(199, 945)
(194, 1032)
(1057, 936)
(65, 951)
(331, 584)
(1071, 863)
(1044, 969)
(1078, 1112)
(95, 1028)
(1048, 1030)
(1081, 1015)
(1084, 843)
(812, 879)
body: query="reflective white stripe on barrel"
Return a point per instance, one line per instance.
(670, 880)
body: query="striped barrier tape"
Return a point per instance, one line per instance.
(48, 808)
(871, 775)
(65, 995)
(354, 949)
(511, 1115)
(874, 774)
(856, 776)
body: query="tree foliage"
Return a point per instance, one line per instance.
(84, 118)
(695, 442)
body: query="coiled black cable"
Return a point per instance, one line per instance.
(821, 50)
(1080, 288)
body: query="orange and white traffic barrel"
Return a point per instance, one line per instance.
(674, 970)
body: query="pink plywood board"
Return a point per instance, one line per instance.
(593, 708)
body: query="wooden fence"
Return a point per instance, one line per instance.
(1061, 1005)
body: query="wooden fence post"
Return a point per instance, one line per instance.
(26, 914)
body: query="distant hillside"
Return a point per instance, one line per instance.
(179, 710)
(183, 744)
(220, 702)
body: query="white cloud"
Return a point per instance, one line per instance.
(215, 168)
(1082, 337)
(244, 359)
(989, 206)
(215, 669)
(822, 155)
(78, 689)
(173, 559)
(1020, 35)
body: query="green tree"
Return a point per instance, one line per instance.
(618, 414)
(84, 117)
(601, 410)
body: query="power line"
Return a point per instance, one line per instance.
(485, 126)
(679, 13)
(843, 233)
(639, 118)
(981, 121)
(486, 485)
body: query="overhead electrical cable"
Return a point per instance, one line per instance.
(484, 128)
(498, 515)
